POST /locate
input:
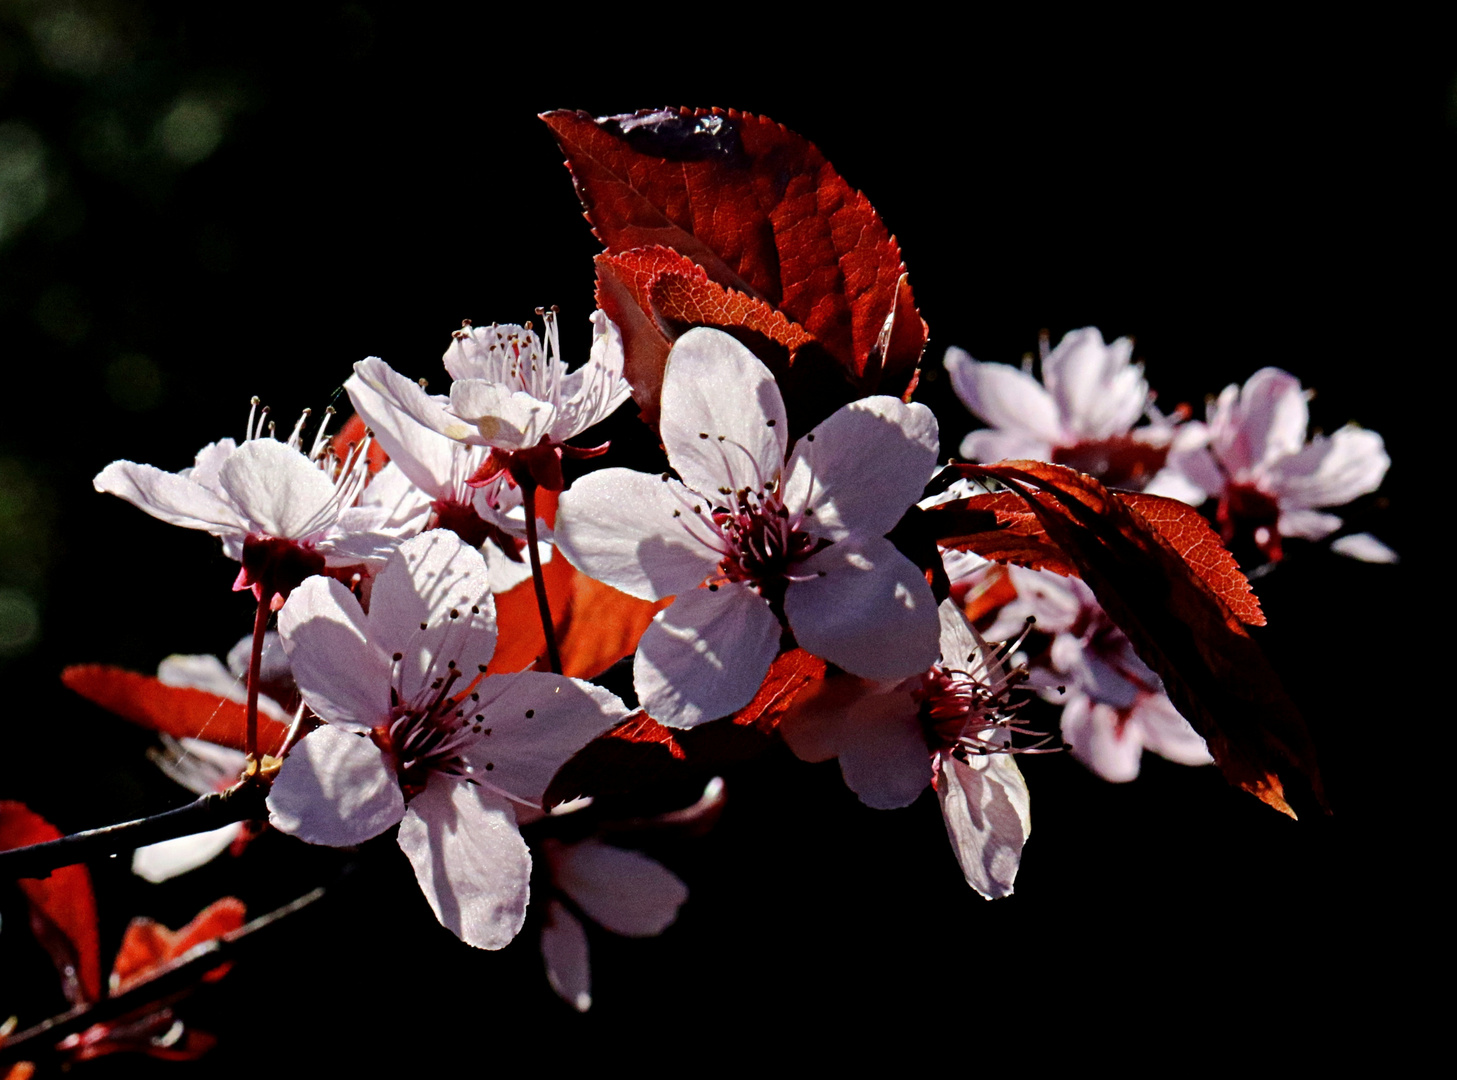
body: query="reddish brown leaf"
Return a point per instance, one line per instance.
(790, 674)
(62, 907)
(1178, 623)
(999, 527)
(182, 712)
(148, 945)
(988, 595)
(762, 212)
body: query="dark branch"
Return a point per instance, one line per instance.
(181, 975)
(243, 802)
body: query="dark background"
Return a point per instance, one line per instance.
(201, 205)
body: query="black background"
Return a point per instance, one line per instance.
(1235, 197)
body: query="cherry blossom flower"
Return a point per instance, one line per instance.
(949, 727)
(1114, 706)
(1081, 415)
(439, 472)
(1271, 483)
(284, 514)
(416, 735)
(748, 542)
(511, 394)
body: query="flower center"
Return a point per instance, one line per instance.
(762, 543)
(971, 712)
(427, 735)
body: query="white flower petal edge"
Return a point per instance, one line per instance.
(342, 673)
(472, 865)
(169, 858)
(335, 789)
(705, 655)
(985, 805)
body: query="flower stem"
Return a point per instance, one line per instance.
(255, 667)
(528, 503)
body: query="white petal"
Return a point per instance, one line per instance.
(1004, 397)
(870, 611)
(994, 444)
(343, 676)
(878, 739)
(1165, 731)
(1308, 524)
(1268, 422)
(423, 454)
(637, 533)
(705, 655)
(512, 420)
(723, 421)
(597, 388)
(623, 891)
(208, 461)
(278, 490)
(534, 722)
(984, 802)
(1365, 547)
(169, 497)
(1100, 739)
(470, 860)
(410, 397)
(564, 951)
(334, 788)
(159, 862)
(863, 467)
(1332, 472)
(1099, 391)
(432, 604)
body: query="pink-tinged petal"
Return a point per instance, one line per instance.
(277, 489)
(1164, 730)
(533, 721)
(168, 497)
(343, 675)
(1198, 469)
(432, 604)
(410, 397)
(335, 789)
(961, 648)
(994, 444)
(883, 753)
(510, 420)
(622, 891)
(564, 951)
(489, 352)
(170, 858)
(1268, 422)
(862, 467)
(705, 655)
(1308, 524)
(723, 421)
(1004, 397)
(423, 454)
(1098, 389)
(470, 860)
(984, 803)
(1333, 471)
(1365, 547)
(866, 608)
(637, 533)
(352, 545)
(404, 507)
(1172, 484)
(1100, 738)
(505, 572)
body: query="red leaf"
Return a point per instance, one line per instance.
(999, 527)
(182, 712)
(352, 431)
(62, 907)
(1179, 623)
(762, 212)
(790, 674)
(148, 945)
(596, 625)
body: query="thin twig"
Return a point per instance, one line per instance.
(179, 975)
(528, 503)
(242, 802)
